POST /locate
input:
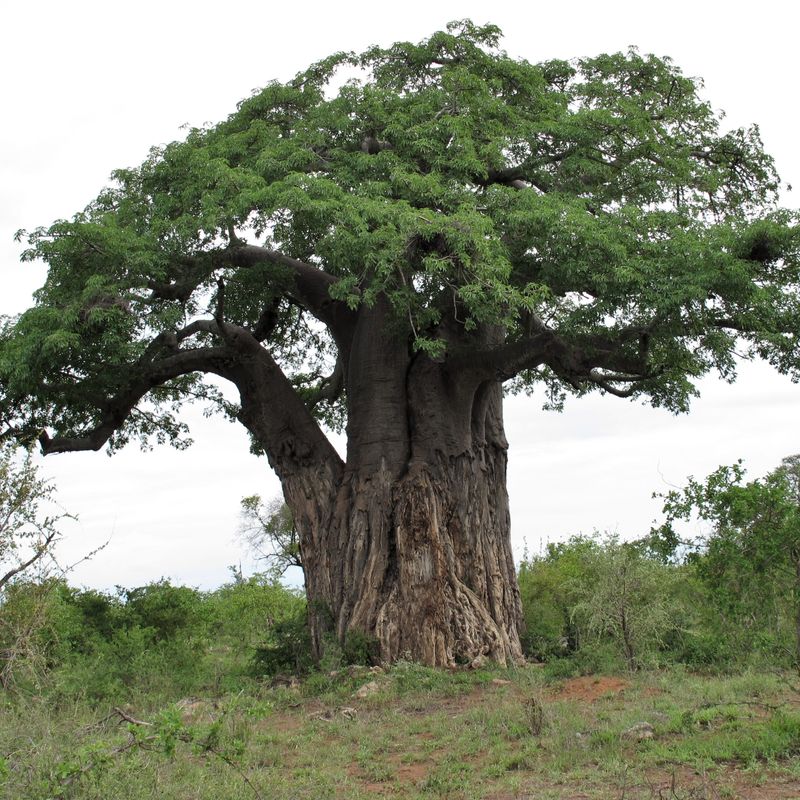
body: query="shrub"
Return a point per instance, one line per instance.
(287, 648)
(167, 610)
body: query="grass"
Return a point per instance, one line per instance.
(484, 734)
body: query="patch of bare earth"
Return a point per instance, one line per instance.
(589, 688)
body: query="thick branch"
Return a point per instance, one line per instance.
(516, 177)
(190, 273)
(312, 285)
(505, 361)
(145, 376)
(598, 359)
(150, 372)
(371, 145)
(270, 407)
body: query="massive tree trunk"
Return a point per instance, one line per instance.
(408, 540)
(417, 555)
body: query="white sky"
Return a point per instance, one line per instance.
(86, 87)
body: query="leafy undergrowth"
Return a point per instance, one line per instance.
(420, 733)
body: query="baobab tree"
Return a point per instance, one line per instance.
(383, 244)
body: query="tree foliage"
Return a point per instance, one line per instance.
(749, 557)
(592, 209)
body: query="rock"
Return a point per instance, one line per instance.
(368, 689)
(348, 713)
(639, 732)
(500, 682)
(376, 670)
(478, 662)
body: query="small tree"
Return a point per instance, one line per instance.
(625, 595)
(28, 535)
(750, 559)
(268, 529)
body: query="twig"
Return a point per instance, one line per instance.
(128, 718)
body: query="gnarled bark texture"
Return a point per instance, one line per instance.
(418, 555)
(408, 540)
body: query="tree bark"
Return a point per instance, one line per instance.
(408, 542)
(421, 562)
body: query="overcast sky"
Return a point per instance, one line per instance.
(89, 87)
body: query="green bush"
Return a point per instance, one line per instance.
(703, 649)
(360, 649)
(595, 659)
(101, 614)
(591, 603)
(286, 649)
(548, 586)
(545, 609)
(243, 612)
(165, 609)
(32, 616)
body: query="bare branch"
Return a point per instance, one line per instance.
(516, 177)
(41, 549)
(128, 718)
(607, 387)
(599, 359)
